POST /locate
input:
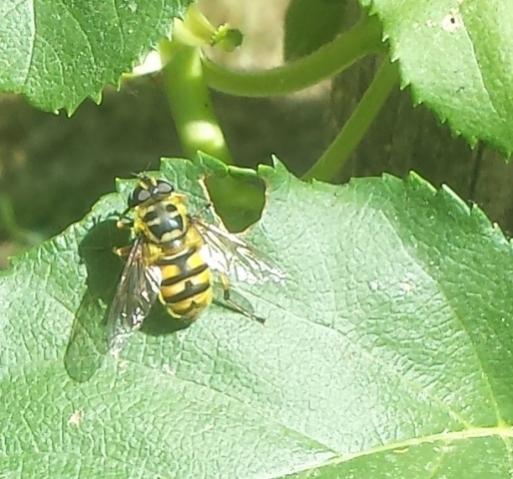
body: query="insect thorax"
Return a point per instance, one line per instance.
(163, 222)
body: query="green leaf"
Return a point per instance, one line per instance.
(387, 354)
(59, 53)
(309, 24)
(457, 57)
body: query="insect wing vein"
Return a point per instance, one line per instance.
(137, 290)
(227, 253)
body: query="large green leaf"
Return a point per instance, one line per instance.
(58, 53)
(387, 354)
(457, 56)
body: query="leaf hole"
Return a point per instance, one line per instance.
(452, 22)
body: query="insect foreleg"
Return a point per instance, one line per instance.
(122, 252)
(124, 223)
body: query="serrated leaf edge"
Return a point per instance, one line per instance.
(116, 79)
(417, 98)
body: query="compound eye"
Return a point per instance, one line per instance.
(138, 196)
(164, 188)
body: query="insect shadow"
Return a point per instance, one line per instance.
(89, 343)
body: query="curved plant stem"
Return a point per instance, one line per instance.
(189, 100)
(362, 39)
(238, 202)
(330, 164)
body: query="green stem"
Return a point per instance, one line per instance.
(330, 164)
(189, 100)
(239, 202)
(362, 39)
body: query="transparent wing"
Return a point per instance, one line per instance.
(229, 254)
(137, 290)
(88, 342)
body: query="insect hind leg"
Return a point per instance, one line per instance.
(230, 303)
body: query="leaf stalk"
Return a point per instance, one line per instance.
(190, 103)
(362, 39)
(330, 164)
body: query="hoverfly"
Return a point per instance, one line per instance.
(177, 258)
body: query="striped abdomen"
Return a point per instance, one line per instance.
(186, 287)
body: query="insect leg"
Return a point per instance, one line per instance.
(122, 252)
(124, 223)
(225, 283)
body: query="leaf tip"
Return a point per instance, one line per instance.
(414, 179)
(97, 97)
(276, 168)
(455, 199)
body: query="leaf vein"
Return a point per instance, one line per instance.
(479, 71)
(501, 432)
(439, 462)
(32, 42)
(120, 24)
(14, 7)
(83, 31)
(170, 377)
(382, 365)
(457, 317)
(261, 414)
(507, 445)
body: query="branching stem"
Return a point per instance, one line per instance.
(361, 40)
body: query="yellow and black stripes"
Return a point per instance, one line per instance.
(163, 221)
(174, 245)
(186, 282)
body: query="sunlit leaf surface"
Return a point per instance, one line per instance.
(387, 354)
(58, 53)
(457, 57)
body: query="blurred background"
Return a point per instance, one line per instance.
(53, 168)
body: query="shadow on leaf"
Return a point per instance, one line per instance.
(88, 341)
(159, 323)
